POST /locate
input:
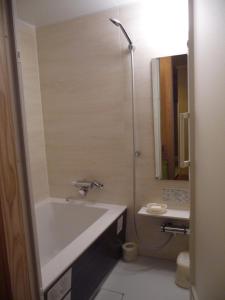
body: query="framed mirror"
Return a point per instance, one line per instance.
(170, 106)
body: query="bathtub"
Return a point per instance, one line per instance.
(65, 229)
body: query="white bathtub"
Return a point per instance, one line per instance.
(66, 229)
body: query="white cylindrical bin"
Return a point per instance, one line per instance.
(183, 270)
(130, 251)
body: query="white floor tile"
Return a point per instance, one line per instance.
(145, 279)
(108, 295)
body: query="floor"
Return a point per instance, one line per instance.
(145, 279)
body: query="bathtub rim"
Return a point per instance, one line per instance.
(63, 260)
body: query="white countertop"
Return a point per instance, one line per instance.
(179, 214)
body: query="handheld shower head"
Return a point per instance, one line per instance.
(115, 21)
(118, 24)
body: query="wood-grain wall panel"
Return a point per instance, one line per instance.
(10, 193)
(5, 288)
(166, 92)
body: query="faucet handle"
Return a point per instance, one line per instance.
(98, 185)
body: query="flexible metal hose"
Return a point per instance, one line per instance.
(136, 154)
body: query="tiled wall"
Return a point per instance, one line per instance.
(33, 110)
(85, 84)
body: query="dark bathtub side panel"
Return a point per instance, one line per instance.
(90, 269)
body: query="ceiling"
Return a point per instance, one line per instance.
(43, 12)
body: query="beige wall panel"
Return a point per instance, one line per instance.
(209, 105)
(85, 84)
(33, 110)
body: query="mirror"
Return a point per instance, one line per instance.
(170, 106)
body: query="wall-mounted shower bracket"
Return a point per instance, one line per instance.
(131, 47)
(137, 153)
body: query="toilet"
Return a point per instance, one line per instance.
(183, 270)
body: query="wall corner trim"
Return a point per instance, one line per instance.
(194, 295)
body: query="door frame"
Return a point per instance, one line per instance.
(18, 265)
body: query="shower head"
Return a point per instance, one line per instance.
(115, 21)
(118, 24)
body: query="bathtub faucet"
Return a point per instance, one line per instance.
(84, 186)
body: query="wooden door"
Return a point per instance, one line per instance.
(17, 270)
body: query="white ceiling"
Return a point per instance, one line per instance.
(43, 12)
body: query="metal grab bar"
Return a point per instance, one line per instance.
(182, 162)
